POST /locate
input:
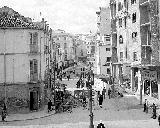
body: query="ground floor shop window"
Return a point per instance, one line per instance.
(146, 87)
(154, 88)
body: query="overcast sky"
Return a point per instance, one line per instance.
(73, 16)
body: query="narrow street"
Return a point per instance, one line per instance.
(116, 111)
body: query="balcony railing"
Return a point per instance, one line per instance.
(33, 48)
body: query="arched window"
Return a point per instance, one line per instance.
(120, 39)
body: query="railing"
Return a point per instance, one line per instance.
(33, 48)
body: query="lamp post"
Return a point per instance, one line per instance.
(90, 83)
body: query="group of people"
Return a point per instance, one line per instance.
(154, 110)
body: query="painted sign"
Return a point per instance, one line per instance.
(149, 75)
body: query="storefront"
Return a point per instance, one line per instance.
(149, 79)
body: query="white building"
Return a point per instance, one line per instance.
(22, 60)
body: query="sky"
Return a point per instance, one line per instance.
(73, 16)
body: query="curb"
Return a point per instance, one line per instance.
(30, 118)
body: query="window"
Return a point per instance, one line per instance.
(126, 4)
(134, 17)
(107, 49)
(65, 45)
(120, 22)
(121, 56)
(34, 38)
(120, 39)
(125, 22)
(108, 59)
(120, 6)
(108, 70)
(135, 56)
(133, 1)
(107, 37)
(33, 70)
(134, 35)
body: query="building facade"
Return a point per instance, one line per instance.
(103, 49)
(135, 42)
(22, 61)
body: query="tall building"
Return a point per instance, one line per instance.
(65, 44)
(22, 61)
(103, 55)
(135, 44)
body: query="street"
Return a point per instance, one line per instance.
(116, 112)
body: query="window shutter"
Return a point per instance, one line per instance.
(31, 38)
(35, 67)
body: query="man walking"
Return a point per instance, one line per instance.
(109, 93)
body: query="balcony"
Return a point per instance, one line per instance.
(143, 2)
(33, 48)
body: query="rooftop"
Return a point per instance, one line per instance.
(12, 19)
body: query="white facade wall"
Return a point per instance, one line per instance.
(17, 45)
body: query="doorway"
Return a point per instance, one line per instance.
(147, 87)
(33, 100)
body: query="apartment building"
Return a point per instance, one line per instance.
(65, 45)
(135, 44)
(103, 49)
(22, 61)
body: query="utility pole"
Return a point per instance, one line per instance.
(91, 82)
(54, 75)
(141, 85)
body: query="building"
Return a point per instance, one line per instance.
(103, 59)
(66, 48)
(22, 61)
(135, 42)
(90, 41)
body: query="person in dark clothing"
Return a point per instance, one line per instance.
(100, 100)
(144, 110)
(104, 92)
(109, 93)
(159, 120)
(154, 111)
(100, 125)
(4, 112)
(84, 102)
(49, 105)
(78, 84)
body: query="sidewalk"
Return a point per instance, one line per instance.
(29, 116)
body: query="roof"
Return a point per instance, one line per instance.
(12, 19)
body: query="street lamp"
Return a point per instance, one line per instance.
(90, 83)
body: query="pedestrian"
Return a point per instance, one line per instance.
(100, 100)
(100, 125)
(104, 92)
(159, 120)
(109, 93)
(144, 106)
(4, 113)
(84, 102)
(154, 111)
(49, 105)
